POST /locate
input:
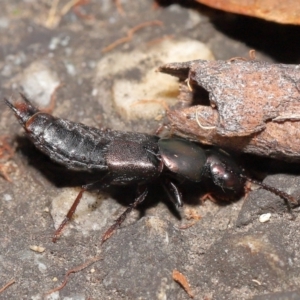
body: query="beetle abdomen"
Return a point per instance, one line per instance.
(126, 156)
(68, 143)
(73, 145)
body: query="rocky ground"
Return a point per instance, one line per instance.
(75, 54)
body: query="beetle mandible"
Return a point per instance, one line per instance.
(128, 158)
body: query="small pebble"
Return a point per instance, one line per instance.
(7, 197)
(264, 218)
(37, 248)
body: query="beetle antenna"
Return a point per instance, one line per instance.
(288, 199)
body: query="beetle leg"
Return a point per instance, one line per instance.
(104, 183)
(173, 192)
(141, 195)
(69, 215)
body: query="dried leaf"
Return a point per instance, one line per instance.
(286, 12)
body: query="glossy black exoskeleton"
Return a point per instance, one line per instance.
(128, 158)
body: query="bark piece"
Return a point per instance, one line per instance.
(254, 106)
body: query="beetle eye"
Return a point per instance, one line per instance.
(225, 178)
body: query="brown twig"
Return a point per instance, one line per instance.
(155, 5)
(6, 152)
(190, 214)
(74, 270)
(12, 281)
(186, 226)
(52, 17)
(50, 107)
(160, 39)
(120, 8)
(55, 16)
(130, 33)
(181, 279)
(79, 13)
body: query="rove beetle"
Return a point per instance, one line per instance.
(124, 158)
